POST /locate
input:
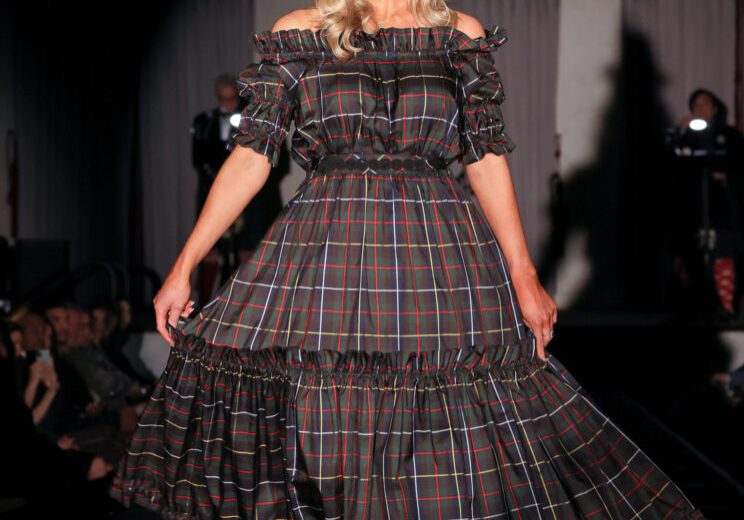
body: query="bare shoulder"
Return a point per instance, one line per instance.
(470, 25)
(298, 19)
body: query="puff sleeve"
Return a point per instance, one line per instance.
(269, 88)
(480, 95)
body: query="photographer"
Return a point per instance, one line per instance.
(708, 188)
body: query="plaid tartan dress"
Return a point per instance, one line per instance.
(370, 359)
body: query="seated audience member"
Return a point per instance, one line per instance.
(22, 361)
(66, 474)
(110, 328)
(52, 388)
(110, 384)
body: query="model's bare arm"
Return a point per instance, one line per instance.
(239, 179)
(241, 176)
(490, 179)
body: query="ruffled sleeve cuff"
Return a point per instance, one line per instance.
(480, 95)
(269, 88)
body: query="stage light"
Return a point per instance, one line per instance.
(698, 124)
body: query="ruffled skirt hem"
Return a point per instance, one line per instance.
(473, 432)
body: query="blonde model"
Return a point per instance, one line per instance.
(382, 353)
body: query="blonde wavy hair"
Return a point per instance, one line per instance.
(340, 18)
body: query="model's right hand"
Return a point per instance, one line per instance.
(172, 301)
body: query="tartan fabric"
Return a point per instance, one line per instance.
(370, 360)
(268, 88)
(426, 91)
(481, 94)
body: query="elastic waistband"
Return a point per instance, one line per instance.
(514, 361)
(399, 164)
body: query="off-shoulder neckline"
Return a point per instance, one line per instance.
(384, 39)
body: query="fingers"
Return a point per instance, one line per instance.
(168, 310)
(539, 340)
(188, 309)
(543, 330)
(161, 314)
(539, 346)
(173, 314)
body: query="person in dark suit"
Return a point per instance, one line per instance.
(712, 219)
(211, 131)
(52, 477)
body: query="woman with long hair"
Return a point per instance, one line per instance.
(382, 352)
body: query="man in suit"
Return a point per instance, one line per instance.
(211, 131)
(708, 196)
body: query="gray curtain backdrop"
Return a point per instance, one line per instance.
(197, 41)
(528, 64)
(670, 47)
(76, 157)
(66, 104)
(200, 40)
(692, 44)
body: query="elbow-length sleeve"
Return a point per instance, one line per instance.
(480, 95)
(269, 88)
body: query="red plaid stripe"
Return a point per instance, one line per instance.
(370, 359)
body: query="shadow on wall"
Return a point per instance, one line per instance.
(654, 379)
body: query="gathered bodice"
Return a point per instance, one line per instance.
(431, 92)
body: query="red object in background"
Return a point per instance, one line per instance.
(725, 275)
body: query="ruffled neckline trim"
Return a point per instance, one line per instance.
(384, 39)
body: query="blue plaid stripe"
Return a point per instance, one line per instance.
(370, 360)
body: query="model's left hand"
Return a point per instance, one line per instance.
(539, 311)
